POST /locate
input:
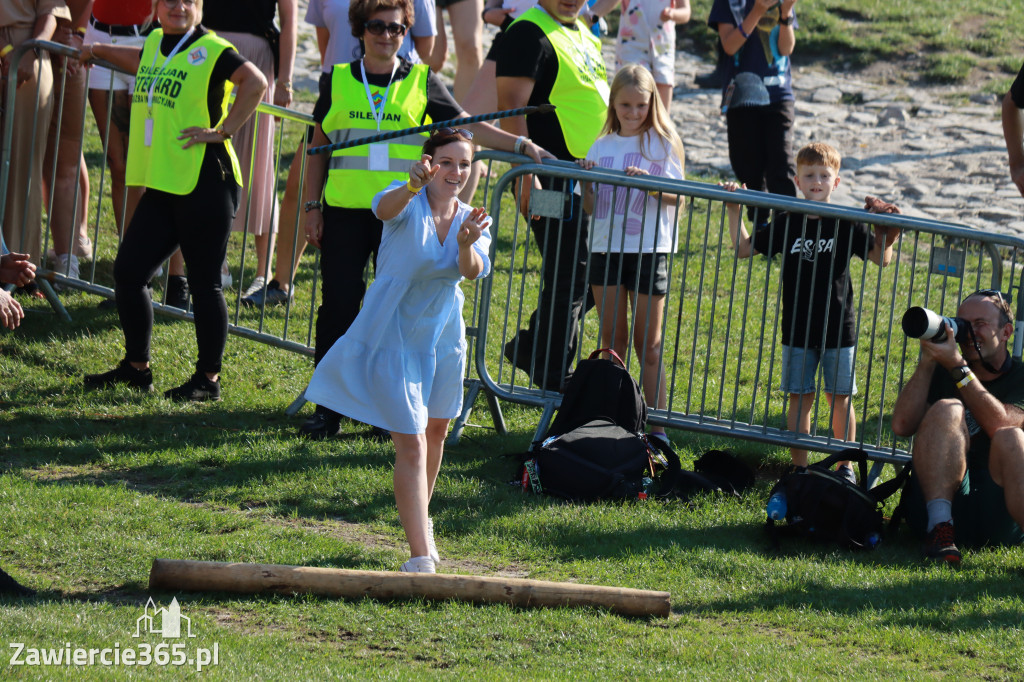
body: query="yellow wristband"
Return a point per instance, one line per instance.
(968, 378)
(408, 186)
(6, 51)
(80, 30)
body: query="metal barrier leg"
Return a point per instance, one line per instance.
(473, 390)
(296, 405)
(545, 421)
(875, 473)
(496, 415)
(53, 299)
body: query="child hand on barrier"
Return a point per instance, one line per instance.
(887, 235)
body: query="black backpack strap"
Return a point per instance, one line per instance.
(852, 454)
(668, 480)
(610, 351)
(884, 491)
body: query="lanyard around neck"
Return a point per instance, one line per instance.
(378, 116)
(156, 77)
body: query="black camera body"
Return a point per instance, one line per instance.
(921, 323)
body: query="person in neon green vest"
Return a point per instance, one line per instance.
(549, 55)
(179, 149)
(379, 92)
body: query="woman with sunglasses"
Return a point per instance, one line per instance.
(179, 149)
(379, 93)
(400, 365)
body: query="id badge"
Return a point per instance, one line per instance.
(379, 156)
(149, 132)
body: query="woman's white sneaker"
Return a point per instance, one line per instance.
(418, 564)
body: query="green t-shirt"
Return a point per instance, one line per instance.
(1007, 388)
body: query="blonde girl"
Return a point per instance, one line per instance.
(633, 232)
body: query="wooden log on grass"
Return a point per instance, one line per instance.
(215, 576)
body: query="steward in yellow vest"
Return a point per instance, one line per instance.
(580, 88)
(178, 100)
(355, 175)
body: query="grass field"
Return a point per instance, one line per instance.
(94, 486)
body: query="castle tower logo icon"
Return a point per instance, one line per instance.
(165, 622)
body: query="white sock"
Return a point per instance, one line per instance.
(939, 511)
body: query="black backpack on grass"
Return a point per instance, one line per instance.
(600, 388)
(595, 448)
(824, 506)
(599, 460)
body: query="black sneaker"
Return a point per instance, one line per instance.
(323, 424)
(272, 294)
(380, 435)
(197, 389)
(124, 373)
(177, 292)
(9, 585)
(940, 545)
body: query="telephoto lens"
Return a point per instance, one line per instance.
(921, 323)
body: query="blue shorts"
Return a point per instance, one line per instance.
(800, 370)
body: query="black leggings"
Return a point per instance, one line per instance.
(351, 236)
(199, 223)
(761, 148)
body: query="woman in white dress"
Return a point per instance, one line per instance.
(401, 363)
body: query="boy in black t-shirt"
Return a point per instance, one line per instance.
(818, 324)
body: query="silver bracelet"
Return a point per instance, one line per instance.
(520, 143)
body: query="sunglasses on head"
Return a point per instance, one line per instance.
(445, 132)
(378, 27)
(1004, 300)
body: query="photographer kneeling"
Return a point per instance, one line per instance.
(965, 406)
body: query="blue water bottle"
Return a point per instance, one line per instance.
(776, 507)
(873, 540)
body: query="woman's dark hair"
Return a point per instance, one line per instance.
(439, 139)
(360, 11)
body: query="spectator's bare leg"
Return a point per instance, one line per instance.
(647, 317)
(437, 431)
(844, 420)
(467, 31)
(1006, 465)
(940, 450)
(482, 98)
(798, 420)
(290, 231)
(613, 316)
(116, 141)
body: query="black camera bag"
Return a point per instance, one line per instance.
(824, 506)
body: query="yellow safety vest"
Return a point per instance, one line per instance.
(179, 102)
(580, 92)
(350, 182)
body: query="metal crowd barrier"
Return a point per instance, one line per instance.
(721, 327)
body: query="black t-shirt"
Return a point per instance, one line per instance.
(525, 52)
(227, 63)
(817, 296)
(1007, 388)
(1017, 89)
(441, 106)
(239, 16)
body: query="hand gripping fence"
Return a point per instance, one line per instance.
(455, 122)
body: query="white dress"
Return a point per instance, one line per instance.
(403, 358)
